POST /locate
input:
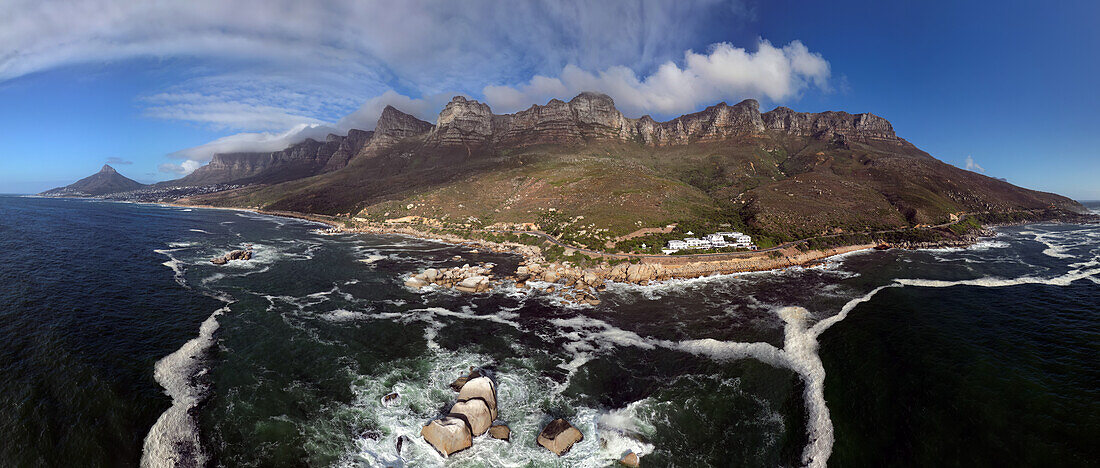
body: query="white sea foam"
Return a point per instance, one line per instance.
(199, 231)
(175, 264)
(174, 438)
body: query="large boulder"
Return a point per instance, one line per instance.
(500, 431)
(639, 273)
(483, 388)
(473, 284)
(630, 459)
(448, 435)
(475, 412)
(559, 436)
(415, 282)
(431, 274)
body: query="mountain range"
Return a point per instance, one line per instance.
(782, 173)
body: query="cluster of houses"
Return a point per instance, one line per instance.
(711, 241)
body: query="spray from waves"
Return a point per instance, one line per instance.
(174, 438)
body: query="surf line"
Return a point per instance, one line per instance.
(174, 438)
(799, 352)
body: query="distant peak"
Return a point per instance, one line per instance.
(107, 168)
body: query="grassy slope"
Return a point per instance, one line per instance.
(782, 188)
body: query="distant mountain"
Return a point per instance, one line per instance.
(104, 182)
(782, 173)
(304, 159)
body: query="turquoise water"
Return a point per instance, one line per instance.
(125, 346)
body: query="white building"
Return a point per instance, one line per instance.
(677, 245)
(711, 241)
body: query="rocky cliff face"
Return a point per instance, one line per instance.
(310, 157)
(348, 149)
(827, 124)
(392, 126)
(593, 116)
(463, 122)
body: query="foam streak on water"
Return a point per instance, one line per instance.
(174, 438)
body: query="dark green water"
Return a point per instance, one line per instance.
(124, 345)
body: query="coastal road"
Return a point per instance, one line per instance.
(744, 254)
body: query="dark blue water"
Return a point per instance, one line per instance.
(123, 345)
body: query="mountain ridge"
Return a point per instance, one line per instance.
(780, 173)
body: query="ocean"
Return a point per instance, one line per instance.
(122, 345)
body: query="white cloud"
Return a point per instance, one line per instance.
(181, 169)
(367, 115)
(973, 166)
(241, 142)
(725, 73)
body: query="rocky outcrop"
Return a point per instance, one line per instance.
(471, 416)
(463, 122)
(631, 459)
(349, 147)
(480, 388)
(465, 278)
(826, 125)
(559, 436)
(500, 432)
(592, 116)
(448, 435)
(242, 255)
(476, 414)
(392, 127)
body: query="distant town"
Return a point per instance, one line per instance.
(719, 240)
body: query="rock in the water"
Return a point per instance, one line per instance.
(431, 274)
(475, 412)
(219, 261)
(483, 388)
(501, 432)
(559, 436)
(390, 399)
(630, 459)
(447, 435)
(473, 284)
(415, 283)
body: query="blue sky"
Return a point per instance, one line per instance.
(158, 88)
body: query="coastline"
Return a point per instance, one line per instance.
(585, 281)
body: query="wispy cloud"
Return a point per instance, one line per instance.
(196, 156)
(116, 160)
(268, 67)
(973, 166)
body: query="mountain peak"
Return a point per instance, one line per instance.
(398, 124)
(104, 182)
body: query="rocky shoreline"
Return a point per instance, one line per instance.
(581, 285)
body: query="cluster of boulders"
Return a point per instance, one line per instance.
(245, 254)
(581, 285)
(465, 278)
(475, 411)
(471, 416)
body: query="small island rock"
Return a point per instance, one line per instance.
(559, 436)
